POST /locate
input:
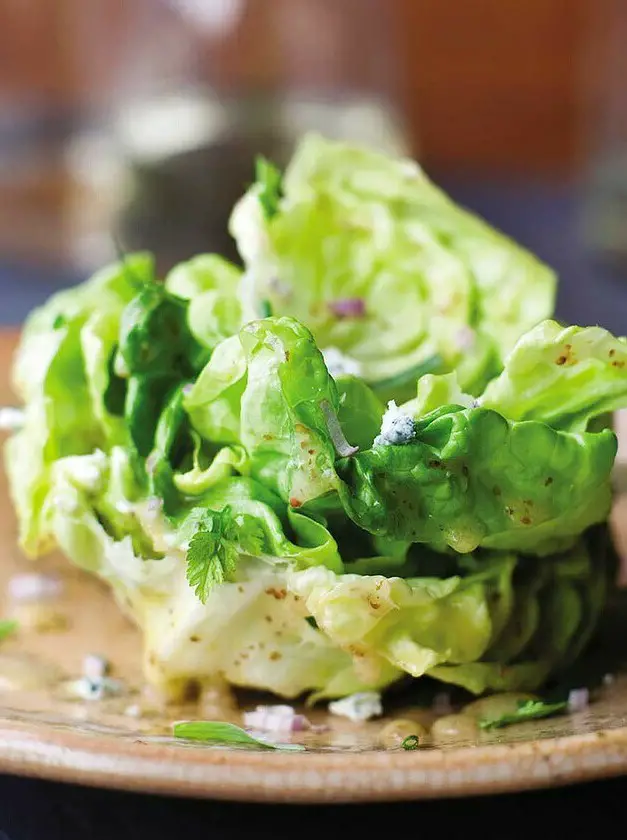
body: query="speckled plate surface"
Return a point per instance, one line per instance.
(46, 733)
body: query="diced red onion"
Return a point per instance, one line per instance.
(578, 700)
(95, 666)
(348, 307)
(276, 719)
(34, 587)
(465, 338)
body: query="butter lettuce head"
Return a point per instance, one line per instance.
(217, 447)
(353, 234)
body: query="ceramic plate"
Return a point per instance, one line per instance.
(47, 733)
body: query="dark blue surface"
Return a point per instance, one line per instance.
(548, 219)
(26, 285)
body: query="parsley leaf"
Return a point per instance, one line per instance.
(529, 710)
(219, 732)
(215, 546)
(269, 179)
(265, 309)
(7, 627)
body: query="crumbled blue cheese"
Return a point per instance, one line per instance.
(95, 684)
(339, 364)
(358, 707)
(11, 419)
(87, 689)
(397, 428)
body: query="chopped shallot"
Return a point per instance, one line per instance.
(348, 307)
(276, 719)
(578, 700)
(465, 338)
(95, 666)
(32, 586)
(358, 707)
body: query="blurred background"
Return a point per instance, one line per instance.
(136, 122)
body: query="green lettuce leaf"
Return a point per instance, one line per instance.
(203, 273)
(213, 404)
(253, 631)
(59, 372)
(360, 411)
(467, 480)
(354, 233)
(259, 512)
(557, 604)
(210, 283)
(210, 470)
(413, 624)
(99, 337)
(565, 377)
(283, 421)
(108, 291)
(435, 391)
(58, 421)
(156, 351)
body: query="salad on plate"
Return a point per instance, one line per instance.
(366, 455)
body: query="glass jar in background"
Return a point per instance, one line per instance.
(185, 93)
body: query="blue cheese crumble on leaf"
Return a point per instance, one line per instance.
(397, 428)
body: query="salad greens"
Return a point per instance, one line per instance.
(529, 710)
(218, 732)
(7, 628)
(367, 455)
(354, 225)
